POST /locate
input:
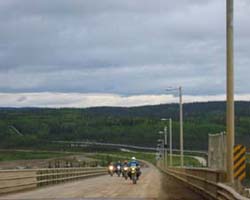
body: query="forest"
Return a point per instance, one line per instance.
(38, 127)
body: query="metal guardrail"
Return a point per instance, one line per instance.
(17, 180)
(225, 192)
(206, 182)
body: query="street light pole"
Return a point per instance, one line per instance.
(164, 155)
(181, 123)
(230, 92)
(165, 147)
(181, 127)
(170, 142)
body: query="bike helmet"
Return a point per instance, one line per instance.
(133, 158)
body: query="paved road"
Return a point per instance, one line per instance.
(201, 160)
(105, 187)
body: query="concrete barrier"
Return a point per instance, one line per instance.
(18, 180)
(201, 181)
(15, 180)
(207, 182)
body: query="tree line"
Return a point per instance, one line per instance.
(37, 127)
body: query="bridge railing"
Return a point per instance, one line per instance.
(226, 192)
(17, 180)
(207, 182)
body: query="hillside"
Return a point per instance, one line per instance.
(35, 127)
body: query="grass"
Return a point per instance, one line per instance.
(28, 155)
(104, 158)
(150, 157)
(115, 156)
(188, 161)
(246, 182)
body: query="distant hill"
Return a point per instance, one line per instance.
(170, 110)
(134, 125)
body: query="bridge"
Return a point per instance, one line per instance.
(75, 144)
(156, 182)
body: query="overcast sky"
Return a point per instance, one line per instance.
(87, 52)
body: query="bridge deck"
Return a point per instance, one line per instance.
(106, 187)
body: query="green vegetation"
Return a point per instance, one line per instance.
(37, 127)
(189, 161)
(150, 157)
(28, 155)
(115, 156)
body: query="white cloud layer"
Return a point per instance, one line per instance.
(83, 100)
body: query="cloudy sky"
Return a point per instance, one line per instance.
(85, 53)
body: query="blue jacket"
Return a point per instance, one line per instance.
(133, 163)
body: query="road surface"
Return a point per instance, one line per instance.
(150, 186)
(201, 160)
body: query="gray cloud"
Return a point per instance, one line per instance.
(125, 47)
